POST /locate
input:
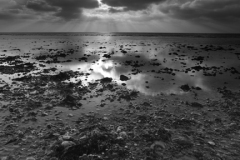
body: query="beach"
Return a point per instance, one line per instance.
(71, 96)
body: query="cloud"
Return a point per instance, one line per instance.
(65, 9)
(124, 15)
(15, 15)
(40, 6)
(131, 4)
(6, 3)
(205, 10)
(71, 9)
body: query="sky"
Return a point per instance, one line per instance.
(181, 16)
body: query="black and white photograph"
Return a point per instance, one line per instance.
(119, 79)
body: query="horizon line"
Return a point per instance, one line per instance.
(128, 32)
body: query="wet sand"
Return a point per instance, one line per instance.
(119, 96)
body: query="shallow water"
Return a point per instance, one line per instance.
(154, 63)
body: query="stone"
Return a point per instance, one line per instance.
(120, 128)
(123, 135)
(124, 78)
(30, 158)
(196, 105)
(105, 118)
(106, 80)
(158, 144)
(70, 115)
(183, 141)
(67, 144)
(211, 143)
(185, 88)
(66, 137)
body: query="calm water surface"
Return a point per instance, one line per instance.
(154, 63)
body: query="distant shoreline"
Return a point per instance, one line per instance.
(150, 34)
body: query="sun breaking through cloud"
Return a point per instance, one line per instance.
(138, 15)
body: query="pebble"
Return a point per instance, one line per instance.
(119, 129)
(49, 106)
(158, 144)
(123, 134)
(30, 158)
(44, 114)
(182, 141)
(66, 137)
(211, 143)
(33, 92)
(70, 115)
(105, 118)
(66, 144)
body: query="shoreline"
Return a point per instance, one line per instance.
(92, 98)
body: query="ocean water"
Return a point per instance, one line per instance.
(155, 63)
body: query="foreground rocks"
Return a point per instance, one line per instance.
(138, 128)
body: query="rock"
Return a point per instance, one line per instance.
(197, 88)
(66, 137)
(61, 76)
(120, 128)
(124, 78)
(196, 105)
(30, 158)
(69, 100)
(67, 144)
(147, 104)
(183, 141)
(211, 143)
(106, 80)
(70, 115)
(107, 56)
(123, 135)
(44, 114)
(105, 118)
(158, 144)
(185, 88)
(49, 106)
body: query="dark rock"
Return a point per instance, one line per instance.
(106, 80)
(196, 105)
(197, 88)
(70, 100)
(185, 88)
(124, 78)
(107, 56)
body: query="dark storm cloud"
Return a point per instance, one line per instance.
(131, 4)
(70, 9)
(41, 6)
(66, 9)
(213, 10)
